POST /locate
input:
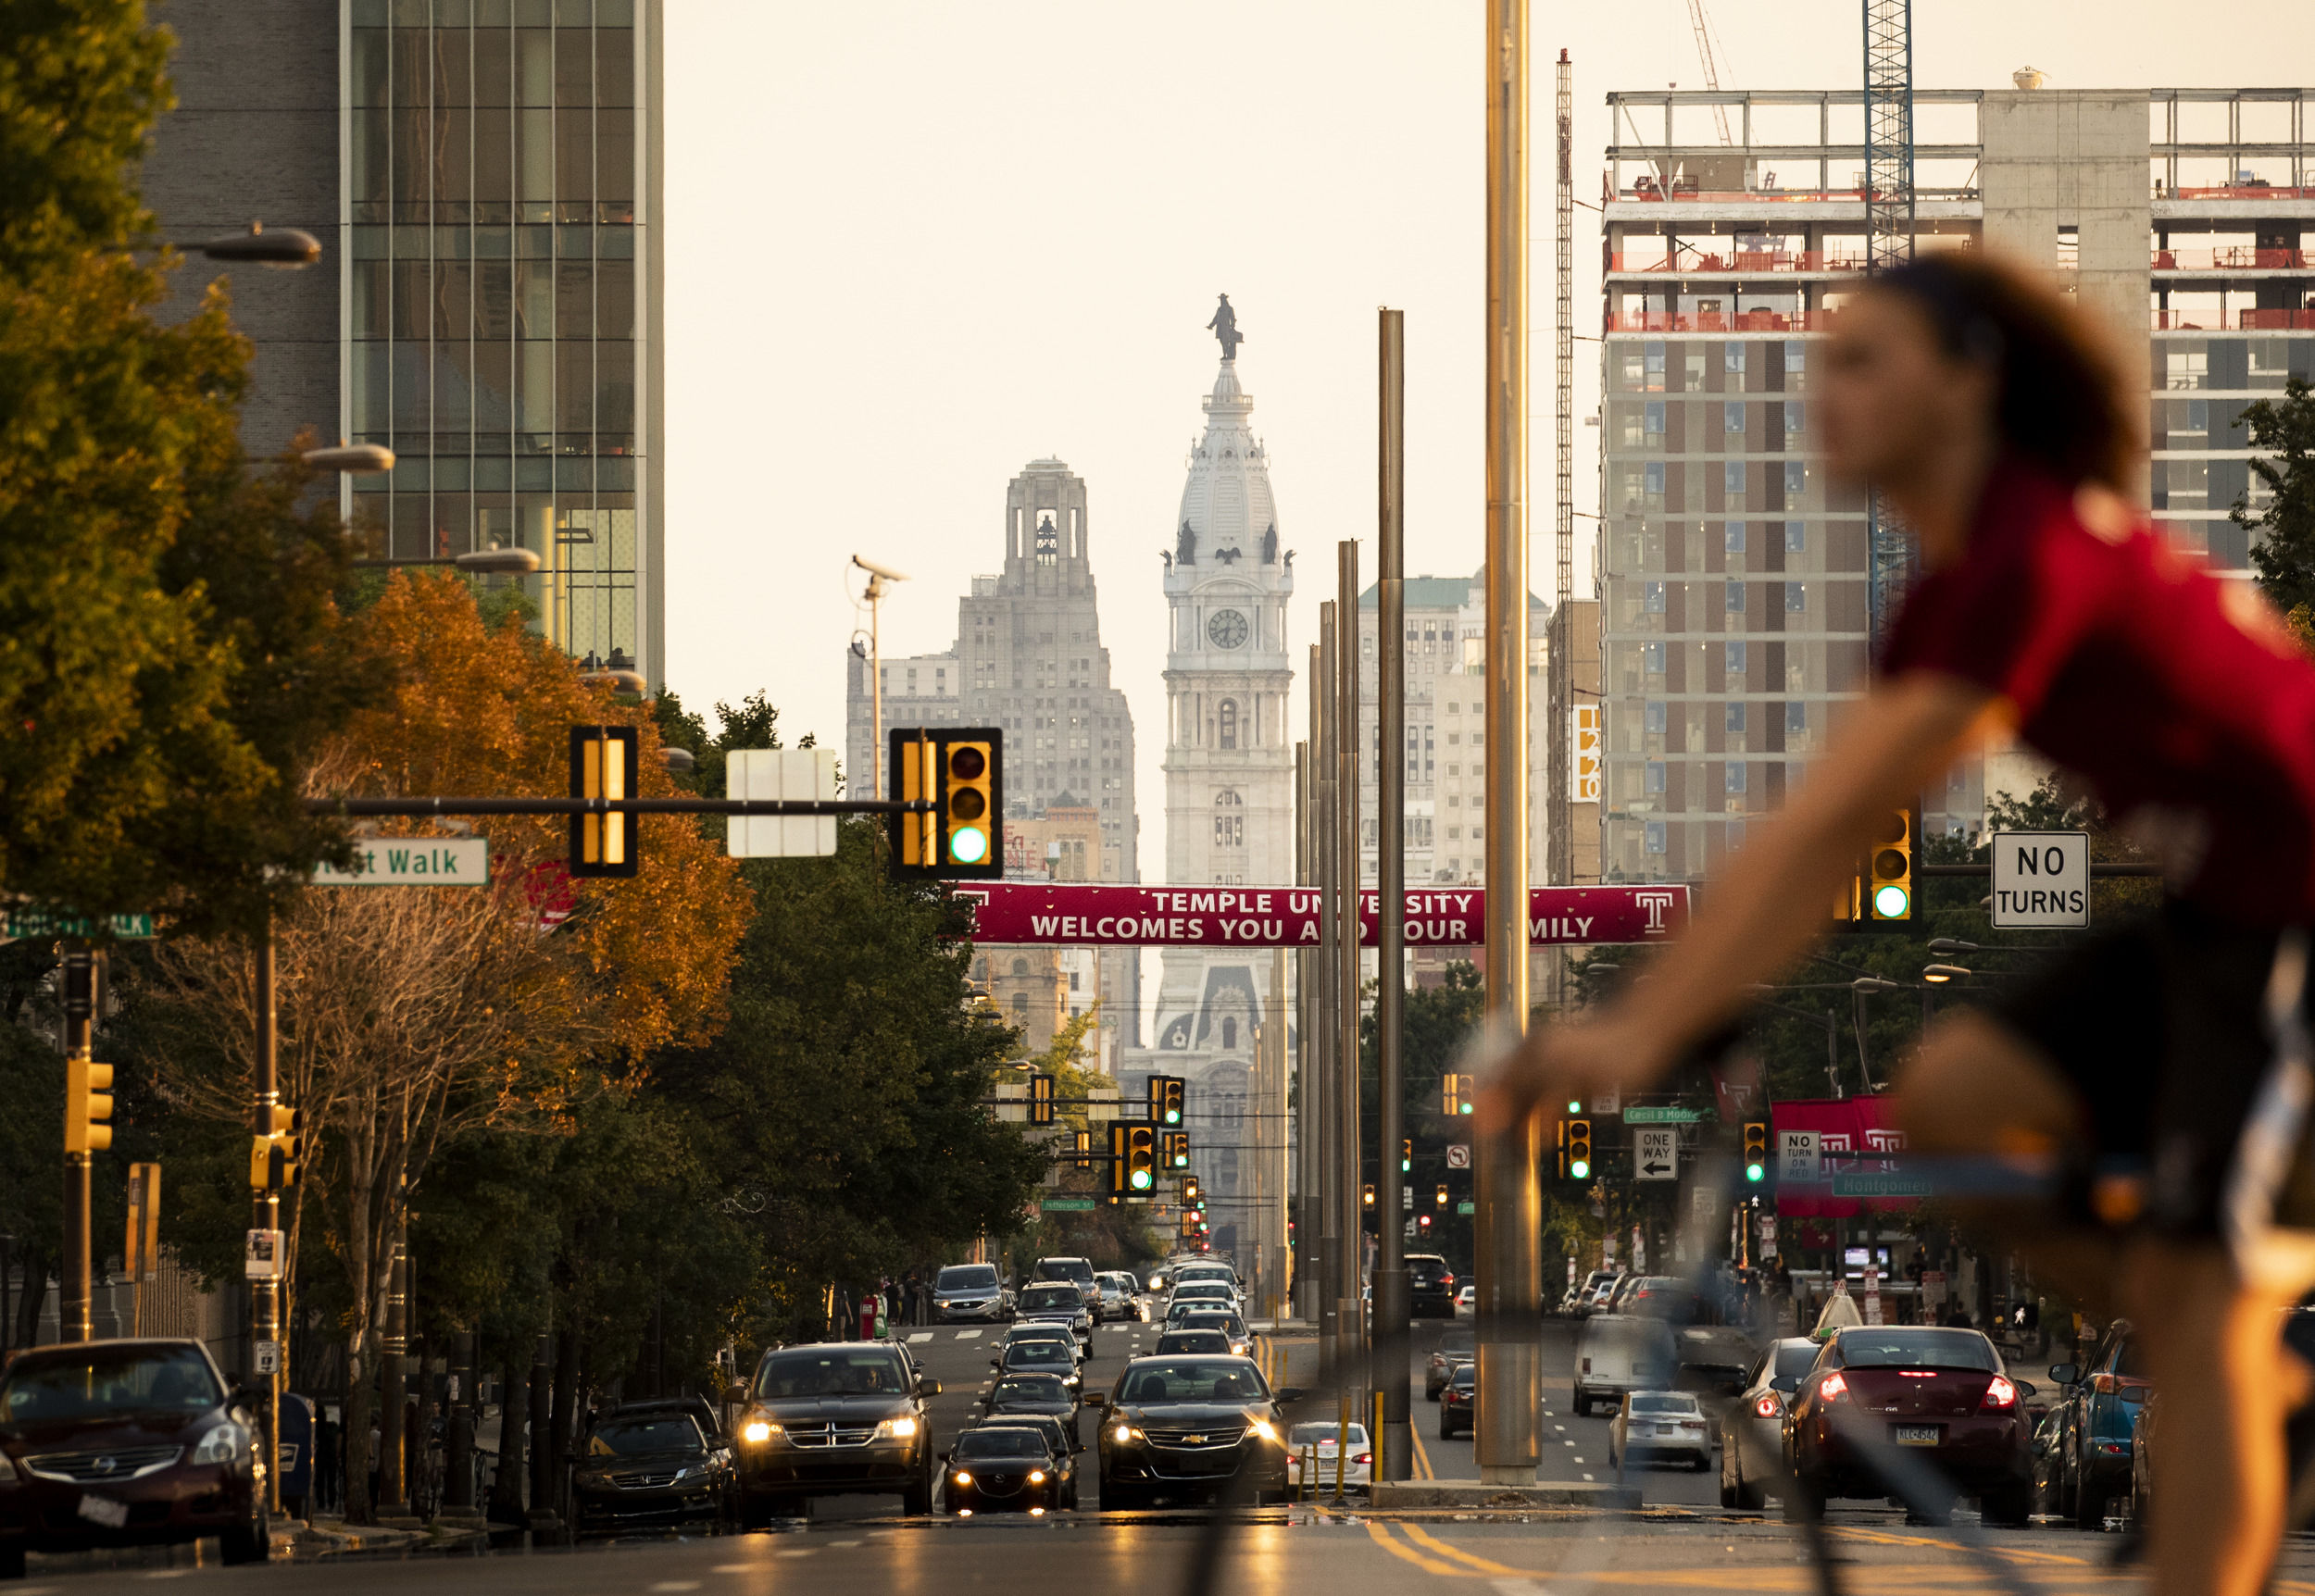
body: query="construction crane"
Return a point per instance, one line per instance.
(1888, 245)
(1711, 67)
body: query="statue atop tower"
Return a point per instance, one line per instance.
(1225, 327)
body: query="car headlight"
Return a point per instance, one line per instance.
(963, 1479)
(756, 1431)
(899, 1428)
(1262, 1429)
(222, 1444)
(1036, 1477)
(1124, 1434)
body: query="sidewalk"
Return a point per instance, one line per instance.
(329, 1536)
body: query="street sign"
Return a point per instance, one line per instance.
(262, 1257)
(1467, 1207)
(1645, 1113)
(1458, 1156)
(413, 862)
(1656, 1153)
(1406, 1197)
(1798, 1162)
(2041, 881)
(786, 774)
(1607, 1104)
(1866, 1185)
(1066, 1205)
(268, 1356)
(1587, 754)
(30, 922)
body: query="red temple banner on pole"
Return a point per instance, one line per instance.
(1858, 1167)
(1082, 916)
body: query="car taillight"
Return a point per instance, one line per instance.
(2000, 1395)
(1766, 1406)
(1363, 1459)
(1833, 1387)
(1446, 1281)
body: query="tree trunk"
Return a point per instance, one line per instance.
(514, 1423)
(359, 1408)
(542, 1448)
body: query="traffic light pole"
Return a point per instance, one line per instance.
(1508, 1207)
(1305, 1183)
(265, 1295)
(1391, 1306)
(1347, 738)
(1328, 1032)
(73, 1287)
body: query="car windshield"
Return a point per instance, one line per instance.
(1000, 1444)
(1323, 1435)
(1191, 1341)
(829, 1371)
(1030, 1388)
(1194, 1379)
(627, 1437)
(1037, 1353)
(1228, 1324)
(1205, 1291)
(966, 1278)
(162, 1379)
(1793, 1360)
(2131, 1361)
(1680, 1404)
(1064, 1269)
(1048, 1299)
(1881, 1347)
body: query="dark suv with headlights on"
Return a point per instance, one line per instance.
(835, 1419)
(125, 1443)
(655, 1467)
(1057, 1302)
(971, 1291)
(1178, 1429)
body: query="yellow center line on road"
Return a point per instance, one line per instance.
(2016, 1553)
(1422, 1458)
(1381, 1538)
(1422, 1536)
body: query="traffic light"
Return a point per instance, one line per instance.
(1165, 1099)
(1454, 1093)
(1441, 1200)
(1189, 1224)
(88, 1102)
(1406, 1157)
(273, 1154)
(603, 764)
(1120, 1150)
(1423, 1221)
(960, 771)
(1881, 892)
(1140, 1163)
(1576, 1148)
(1366, 1196)
(1190, 1193)
(1173, 1149)
(1756, 1150)
(1040, 1099)
(1085, 1149)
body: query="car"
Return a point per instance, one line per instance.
(1063, 1445)
(1178, 1429)
(1455, 1346)
(1311, 1447)
(2143, 1441)
(2048, 1460)
(655, 1467)
(1711, 1360)
(1038, 1356)
(1613, 1303)
(1230, 1324)
(1059, 1303)
(1173, 1341)
(704, 1412)
(1578, 1302)
(1654, 1427)
(135, 1442)
(1212, 1273)
(1941, 1389)
(1033, 1393)
(1752, 1429)
(1661, 1297)
(2099, 1406)
(1043, 1330)
(970, 1292)
(1001, 1468)
(1615, 1354)
(1430, 1286)
(835, 1419)
(1205, 1294)
(1078, 1272)
(1459, 1400)
(1466, 1301)
(1121, 1295)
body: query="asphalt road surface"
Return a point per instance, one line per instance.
(1679, 1541)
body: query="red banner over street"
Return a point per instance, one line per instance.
(1838, 1157)
(1072, 914)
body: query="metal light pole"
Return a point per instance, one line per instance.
(1306, 1273)
(1509, 1220)
(874, 596)
(1328, 1073)
(265, 1294)
(83, 987)
(1391, 1314)
(1347, 736)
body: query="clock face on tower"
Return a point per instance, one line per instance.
(1227, 628)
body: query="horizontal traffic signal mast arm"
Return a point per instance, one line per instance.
(2097, 868)
(417, 806)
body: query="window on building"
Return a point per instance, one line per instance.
(1652, 477)
(1652, 417)
(1020, 1005)
(1229, 819)
(1020, 966)
(1732, 476)
(1732, 775)
(1652, 658)
(1732, 538)
(1735, 596)
(1652, 597)
(1733, 658)
(1795, 598)
(1077, 977)
(1652, 779)
(1735, 717)
(1796, 478)
(1733, 359)
(1652, 361)
(1795, 362)
(1733, 417)
(1652, 837)
(1796, 537)
(1796, 716)
(1229, 1031)
(1652, 716)
(1048, 543)
(1478, 833)
(1796, 419)
(1229, 717)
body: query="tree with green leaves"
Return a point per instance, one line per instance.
(2285, 556)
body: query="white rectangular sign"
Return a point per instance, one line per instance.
(413, 862)
(2041, 881)
(1655, 1151)
(1585, 788)
(1797, 1162)
(780, 773)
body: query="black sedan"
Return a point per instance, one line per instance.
(1056, 1358)
(652, 1468)
(1459, 1401)
(1192, 1429)
(1001, 1468)
(126, 1444)
(1048, 1396)
(1058, 1442)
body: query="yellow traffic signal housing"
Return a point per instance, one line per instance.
(1454, 1093)
(1165, 1100)
(1190, 1192)
(1366, 1196)
(1189, 1224)
(1756, 1150)
(274, 1153)
(1140, 1163)
(1576, 1148)
(1040, 1099)
(1173, 1149)
(1883, 891)
(88, 1102)
(603, 765)
(1441, 1200)
(1085, 1149)
(1406, 1156)
(1121, 1156)
(960, 771)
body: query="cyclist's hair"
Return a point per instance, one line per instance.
(2062, 400)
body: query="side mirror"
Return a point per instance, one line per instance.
(928, 1387)
(1289, 1393)
(2065, 1374)
(2134, 1394)
(2025, 1388)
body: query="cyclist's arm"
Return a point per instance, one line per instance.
(1774, 896)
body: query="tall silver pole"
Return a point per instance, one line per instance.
(1391, 1306)
(1306, 1211)
(1329, 1081)
(1558, 832)
(1509, 1219)
(1347, 736)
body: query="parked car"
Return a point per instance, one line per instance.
(132, 1442)
(1315, 1445)
(1940, 1390)
(1456, 1348)
(1192, 1429)
(1654, 1427)
(1459, 1401)
(2143, 1441)
(971, 1291)
(2098, 1408)
(655, 1467)
(1616, 1354)
(832, 1419)
(1578, 1302)
(992, 1469)
(1752, 1429)
(1430, 1286)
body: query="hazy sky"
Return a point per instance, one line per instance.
(915, 245)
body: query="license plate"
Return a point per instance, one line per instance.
(104, 1510)
(1915, 1434)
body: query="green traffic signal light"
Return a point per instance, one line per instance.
(1755, 1172)
(1891, 902)
(1140, 1179)
(968, 846)
(1580, 1168)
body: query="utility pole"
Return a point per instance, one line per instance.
(265, 1290)
(1559, 757)
(1328, 1075)
(1509, 1220)
(873, 597)
(1346, 739)
(1391, 1307)
(1306, 1275)
(84, 1105)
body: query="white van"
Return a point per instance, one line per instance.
(1618, 1353)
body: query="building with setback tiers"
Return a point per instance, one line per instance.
(1028, 660)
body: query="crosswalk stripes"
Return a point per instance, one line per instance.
(917, 1336)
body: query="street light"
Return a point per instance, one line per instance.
(873, 595)
(352, 460)
(1940, 974)
(1952, 945)
(491, 562)
(618, 673)
(285, 249)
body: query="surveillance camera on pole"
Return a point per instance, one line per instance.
(874, 596)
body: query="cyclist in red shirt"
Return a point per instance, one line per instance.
(2001, 430)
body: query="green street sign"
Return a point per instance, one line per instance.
(1879, 1186)
(1467, 1207)
(1066, 1205)
(48, 923)
(1642, 1115)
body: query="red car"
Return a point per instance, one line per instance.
(1940, 1393)
(125, 1443)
